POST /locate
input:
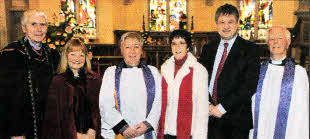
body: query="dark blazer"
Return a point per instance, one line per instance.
(59, 120)
(237, 81)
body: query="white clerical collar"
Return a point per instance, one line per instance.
(129, 66)
(277, 61)
(34, 45)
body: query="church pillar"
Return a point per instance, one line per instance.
(3, 25)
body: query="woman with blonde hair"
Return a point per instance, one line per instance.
(72, 105)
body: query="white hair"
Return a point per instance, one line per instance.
(135, 35)
(287, 33)
(32, 12)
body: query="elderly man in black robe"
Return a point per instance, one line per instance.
(25, 73)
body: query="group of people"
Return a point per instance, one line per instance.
(225, 94)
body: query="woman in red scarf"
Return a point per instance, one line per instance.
(184, 112)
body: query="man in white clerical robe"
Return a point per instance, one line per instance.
(280, 105)
(130, 95)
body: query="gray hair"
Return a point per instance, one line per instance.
(32, 12)
(287, 33)
(134, 35)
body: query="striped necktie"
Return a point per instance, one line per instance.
(214, 94)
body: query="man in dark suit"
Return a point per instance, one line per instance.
(233, 66)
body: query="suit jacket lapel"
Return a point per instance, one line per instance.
(231, 60)
(212, 53)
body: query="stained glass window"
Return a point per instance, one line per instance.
(247, 18)
(87, 14)
(265, 18)
(178, 15)
(158, 12)
(68, 6)
(71, 6)
(68, 10)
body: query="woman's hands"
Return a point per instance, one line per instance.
(91, 134)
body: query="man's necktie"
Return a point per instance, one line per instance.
(214, 94)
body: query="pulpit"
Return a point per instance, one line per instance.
(301, 34)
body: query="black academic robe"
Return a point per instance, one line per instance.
(16, 118)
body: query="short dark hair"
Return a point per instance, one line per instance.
(227, 9)
(181, 33)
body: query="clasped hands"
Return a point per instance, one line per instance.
(215, 111)
(91, 134)
(138, 130)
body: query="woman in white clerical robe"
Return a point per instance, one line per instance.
(130, 95)
(185, 103)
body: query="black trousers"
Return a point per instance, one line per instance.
(223, 129)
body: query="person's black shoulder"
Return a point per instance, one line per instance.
(54, 55)
(10, 48)
(93, 76)
(53, 51)
(211, 43)
(247, 43)
(12, 54)
(248, 46)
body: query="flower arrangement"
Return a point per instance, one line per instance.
(62, 28)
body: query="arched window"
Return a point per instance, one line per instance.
(255, 18)
(167, 15)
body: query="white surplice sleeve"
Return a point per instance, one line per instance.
(154, 115)
(109, 114)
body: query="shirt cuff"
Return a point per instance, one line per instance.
(120, 127)
(221, 109)
(148, 126)
(123, 129)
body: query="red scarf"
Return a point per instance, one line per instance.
(178, 64)
(185, 107)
